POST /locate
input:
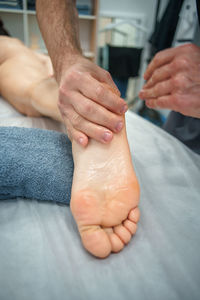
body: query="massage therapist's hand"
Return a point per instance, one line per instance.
(88, 106)
(173, 80)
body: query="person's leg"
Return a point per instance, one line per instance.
(105, 190)
(20, 70)
(43, 98)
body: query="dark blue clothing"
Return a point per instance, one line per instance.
(186, 129)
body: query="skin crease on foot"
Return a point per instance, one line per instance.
(105, 195)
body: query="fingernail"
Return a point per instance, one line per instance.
(141, 94)
(81, 141)
(107, 136)
(124, 109)
(119, 126)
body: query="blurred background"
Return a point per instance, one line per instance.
(120, 36)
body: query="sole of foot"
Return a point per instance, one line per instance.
(105, 195)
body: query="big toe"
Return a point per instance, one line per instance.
(96, 241)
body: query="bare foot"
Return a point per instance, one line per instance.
(105, 195)
(105, 190)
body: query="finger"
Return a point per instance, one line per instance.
(96, 113)
(159, 75)
(176, 102)
(104, 76)
(150, 103)
(74, 134)
(188, 104)
(78, 123)
(160, 89)
(160, 59)
(102, 94)
(164, 102)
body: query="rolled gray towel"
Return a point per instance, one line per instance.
(35, 164)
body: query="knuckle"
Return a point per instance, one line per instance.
(100, 91)
(65, 94)
(73, 75)
(86, 75)
(76, 121)
(87, 108)
(61, 91)
(180, 63)
(178, 81)
(183, 62)
(107, 74)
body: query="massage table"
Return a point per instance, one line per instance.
(41, 255)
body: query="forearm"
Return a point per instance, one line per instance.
(87, 108)
(58, 22)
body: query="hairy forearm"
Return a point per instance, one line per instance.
(58, 22)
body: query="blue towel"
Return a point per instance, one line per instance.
(35, 164)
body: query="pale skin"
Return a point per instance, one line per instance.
(105, 189)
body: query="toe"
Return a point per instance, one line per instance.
(108, 230)
(122, 233)
(131, 226)
(134, 215)
(96, 241)
(116, 243)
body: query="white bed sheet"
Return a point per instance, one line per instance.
(41, 256)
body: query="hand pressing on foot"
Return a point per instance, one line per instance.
(88, 107)
(105, 191)
(105, 195)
